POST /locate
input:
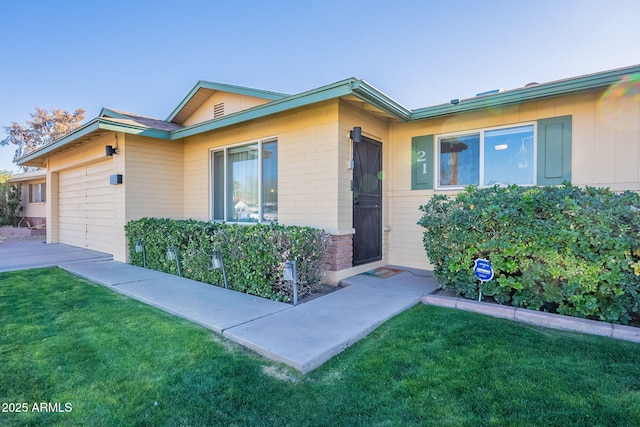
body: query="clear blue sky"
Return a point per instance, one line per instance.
(144, 56)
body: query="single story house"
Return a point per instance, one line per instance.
(34, 198)
(343, 157)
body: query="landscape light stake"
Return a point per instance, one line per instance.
(172, 254)
(140, 249)
(289, 274)
(217, 261)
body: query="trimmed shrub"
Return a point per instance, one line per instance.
(561, 249)
(254, 255)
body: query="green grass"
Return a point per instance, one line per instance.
(66, 340)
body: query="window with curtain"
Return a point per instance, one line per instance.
(245, 183)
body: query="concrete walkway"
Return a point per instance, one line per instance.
(303, 337)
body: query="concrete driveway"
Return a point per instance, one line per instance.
(22, 254)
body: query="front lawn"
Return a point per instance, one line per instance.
(96, 358)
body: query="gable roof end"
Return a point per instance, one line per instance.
(331, 91)
(192, 97)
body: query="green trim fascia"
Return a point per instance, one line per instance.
(324, 93)
(99, 123)
(515, 96)
(370, 94)
(240, 90)
(84, 130)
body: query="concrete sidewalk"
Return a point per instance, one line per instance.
(303, 337)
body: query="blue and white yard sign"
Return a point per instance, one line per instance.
(482, 269)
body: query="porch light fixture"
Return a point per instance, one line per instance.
(217, 261)
(356, 134)
(140, 249)
(172, 255)
(110, 150)
(289, 274)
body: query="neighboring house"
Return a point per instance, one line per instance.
(34, 198)
(344, 157)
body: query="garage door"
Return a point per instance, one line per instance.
(86, 208)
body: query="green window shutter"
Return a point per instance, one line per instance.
(554, 150)
(422, 162)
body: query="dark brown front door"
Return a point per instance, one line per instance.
(367, 201)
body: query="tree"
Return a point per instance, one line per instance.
(10, 203)
(5, 176)
(43, 128)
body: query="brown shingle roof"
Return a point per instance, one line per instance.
(136, 119)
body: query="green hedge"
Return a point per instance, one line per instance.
(254, 255)
(561, 249)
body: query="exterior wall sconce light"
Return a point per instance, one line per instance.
(356, 134)
(110, 150)
(289, 274)
(115, 179)
(217, 261)
(172, 255)
(140, 249)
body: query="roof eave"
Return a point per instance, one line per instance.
(373, 96)
(80, 132)
(111, 113)
(131, 129)
(544, 90)
(99, 123)
(29, 176)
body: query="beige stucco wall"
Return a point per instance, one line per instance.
(605, 153)
(232, 104)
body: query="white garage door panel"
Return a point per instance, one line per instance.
(86, 207)
(71, 206)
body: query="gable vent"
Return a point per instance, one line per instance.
(218, 110)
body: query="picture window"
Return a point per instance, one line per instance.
(500, 156)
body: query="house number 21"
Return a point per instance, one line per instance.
(422, 157)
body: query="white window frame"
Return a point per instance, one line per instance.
(481, 176)
(225, 150)
(42, 192)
